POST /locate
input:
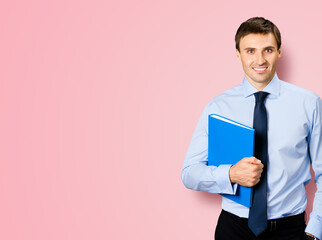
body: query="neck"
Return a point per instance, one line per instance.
(259, 85)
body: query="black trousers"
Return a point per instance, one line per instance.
(232, 227)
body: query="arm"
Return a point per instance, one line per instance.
(197, 175)
(314, 226)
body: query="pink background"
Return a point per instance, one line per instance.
(98, 103)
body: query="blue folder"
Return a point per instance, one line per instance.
(228, 143)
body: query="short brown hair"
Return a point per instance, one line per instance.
(257, 25)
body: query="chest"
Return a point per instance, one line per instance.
(289, 122)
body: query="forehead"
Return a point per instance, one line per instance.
(258, 40)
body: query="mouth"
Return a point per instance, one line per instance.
(260, 69)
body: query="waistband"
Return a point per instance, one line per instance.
(279, 223)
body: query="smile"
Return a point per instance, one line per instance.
(260, 69)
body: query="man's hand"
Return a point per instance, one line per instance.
(246, 172)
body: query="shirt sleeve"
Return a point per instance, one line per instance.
(196, 174)
(314, 225)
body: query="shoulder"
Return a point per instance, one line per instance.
(300, 99)
(226, 97)
(298, 92)
(221, 101)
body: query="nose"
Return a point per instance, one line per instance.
(260, 59)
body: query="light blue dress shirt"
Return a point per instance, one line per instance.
(294, 142)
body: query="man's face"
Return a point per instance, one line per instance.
(259, 54)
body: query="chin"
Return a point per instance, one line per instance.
(264, 79)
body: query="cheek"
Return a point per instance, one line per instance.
(273, 60)
(273, 63)
(247, 62)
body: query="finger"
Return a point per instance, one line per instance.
(250, 159)
(254, 160)
(259, 166)
(259, 171)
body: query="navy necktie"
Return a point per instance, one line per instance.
(257, 220)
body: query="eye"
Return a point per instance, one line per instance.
(269, 50)
(250, 51)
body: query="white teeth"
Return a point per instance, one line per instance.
(259, 69)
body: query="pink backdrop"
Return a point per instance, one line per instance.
(98, 103)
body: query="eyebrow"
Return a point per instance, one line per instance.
(268, 47)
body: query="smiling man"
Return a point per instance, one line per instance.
(288, 140)
(258, 54)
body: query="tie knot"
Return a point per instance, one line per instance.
(260, 96)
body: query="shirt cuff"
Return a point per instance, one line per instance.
(314, 227)
(223, 180)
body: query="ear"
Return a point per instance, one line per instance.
(279, 53)
(237, 54)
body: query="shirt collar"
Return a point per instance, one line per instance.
(273, 88)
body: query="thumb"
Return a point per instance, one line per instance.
(254, 160)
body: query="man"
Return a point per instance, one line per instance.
(288, 126)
